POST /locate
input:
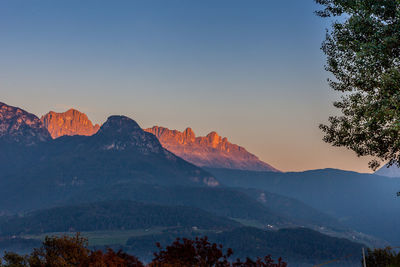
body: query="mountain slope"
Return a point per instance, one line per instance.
(21, 135)
(113, 215)
(71, 122)
(119, 153)
(211, 150)
(20, 127)
(364, 202)
(392, 171)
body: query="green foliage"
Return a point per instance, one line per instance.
(113, 215)
(60, 251)
(382, 258)
(363, 54)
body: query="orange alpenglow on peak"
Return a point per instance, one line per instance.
(71, 122)
(209, 151)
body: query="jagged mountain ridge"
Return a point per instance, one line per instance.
(21, 127)
(33, 164)
(71, 122)
(208, 151)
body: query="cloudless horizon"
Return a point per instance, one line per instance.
(252, 71)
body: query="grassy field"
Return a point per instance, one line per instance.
(102, 238)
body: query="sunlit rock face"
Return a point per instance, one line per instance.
(19, 126)
(210, 151)
(71, 122)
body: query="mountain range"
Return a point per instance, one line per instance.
(364, 202)
(211, 150)
(121, 171)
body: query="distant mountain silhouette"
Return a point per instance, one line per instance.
(364, 202)
(210, 151)
(71, 122)
(392, 171)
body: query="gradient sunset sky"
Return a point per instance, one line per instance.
(252, 70)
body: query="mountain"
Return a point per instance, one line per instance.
(211, 150)
(119, 153)
(389, 171)
(21, 135)
(364, 202)
(71, 122)
(123, 162)
(20, 127)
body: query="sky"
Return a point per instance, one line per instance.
(251, 70)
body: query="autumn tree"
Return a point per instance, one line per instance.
(191, 253)
(73, 251)
(363, 55)
(111, 259)
(202, 253)
(60, 251)
(68, 251)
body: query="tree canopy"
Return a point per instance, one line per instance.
(363, 55)
(68, 251)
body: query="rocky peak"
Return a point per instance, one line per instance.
(211, 150)
(120, 125)
(19, 126)
(71, 122)
(122, 133)
(213, 139)
(188, 135)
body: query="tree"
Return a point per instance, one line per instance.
(111, 259)
(191, 253)
(363, 54)
(14, 260)
(61, 251)
(382, 258)
(201, 253)
(73, 251)
(70, 251)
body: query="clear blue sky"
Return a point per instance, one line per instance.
(251, 70)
